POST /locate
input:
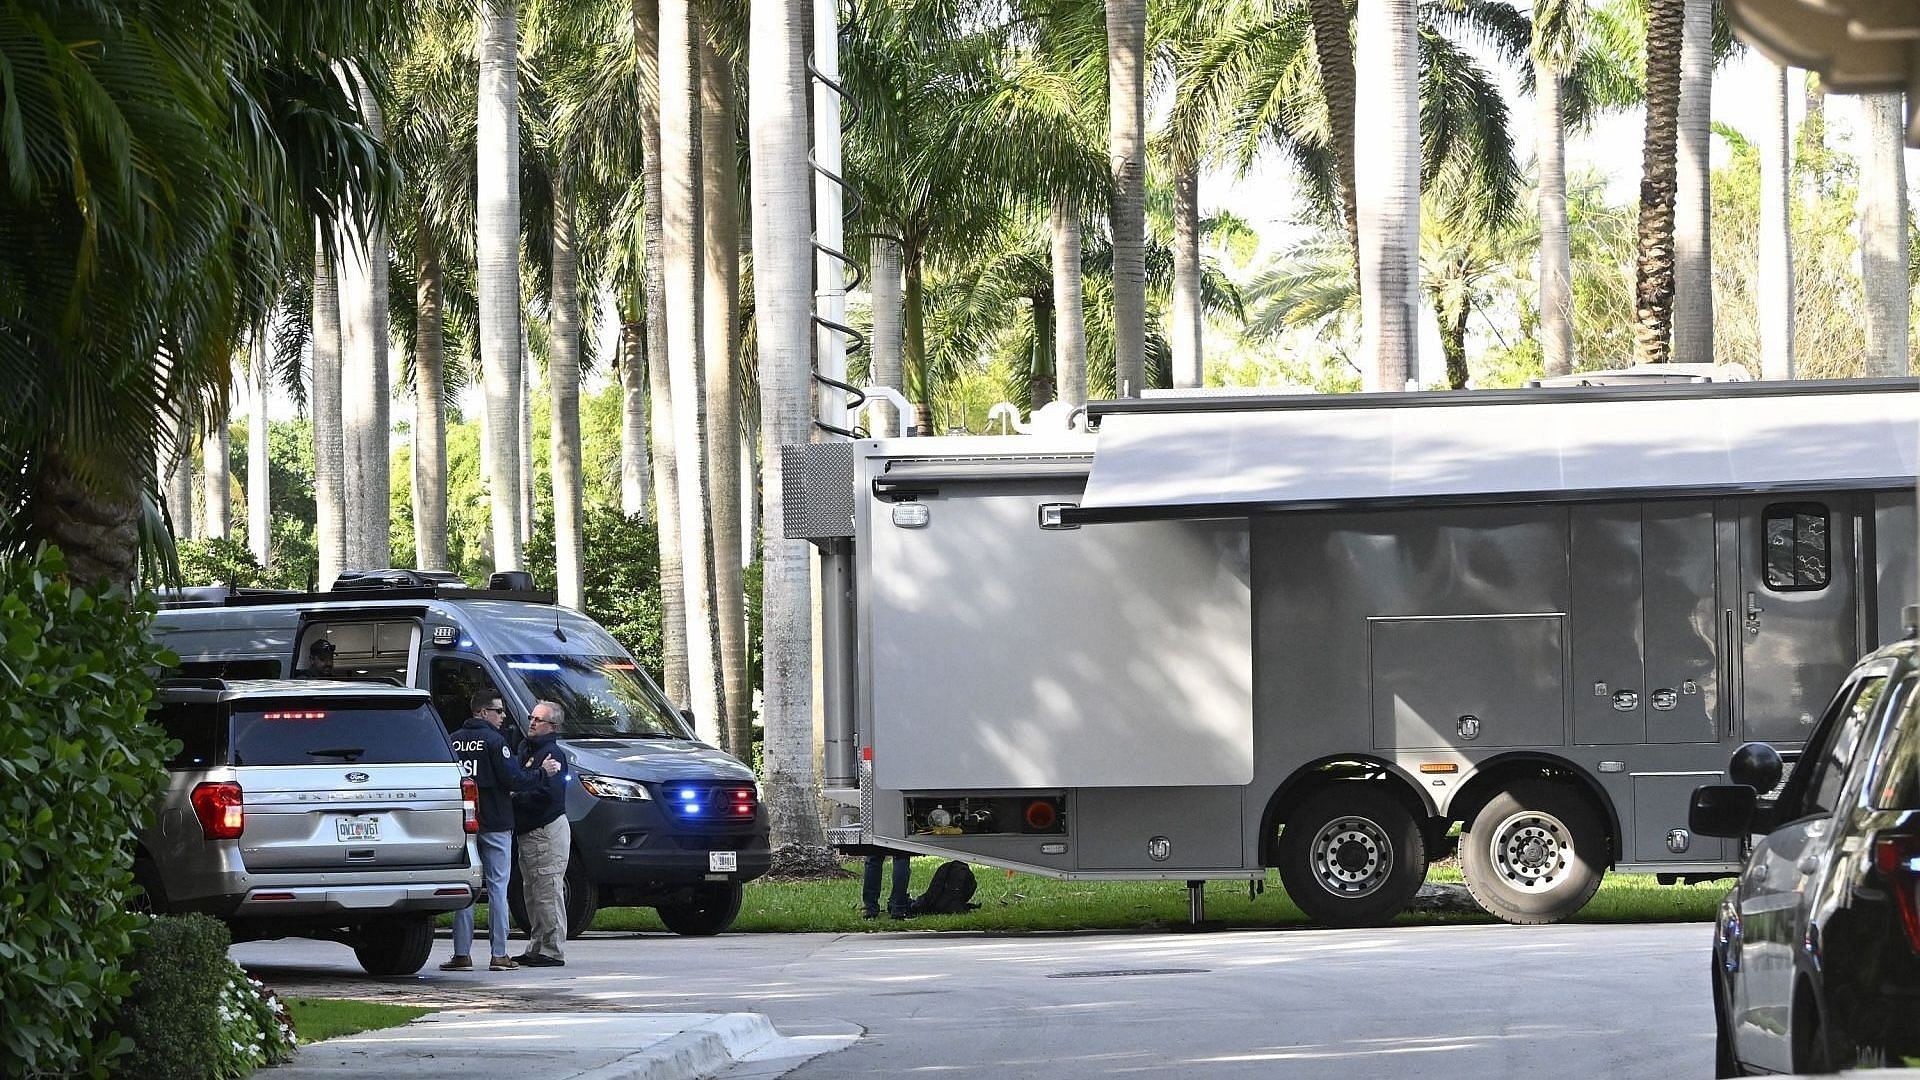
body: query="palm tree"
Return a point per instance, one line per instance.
(1884, 254)
(498, 254)
(177, 472)
(635, 486)
(783, 280)
(683, 251)
(1127, 150)
(721, 263)
(1069, 304)
(259, 485)
(214, 451)
(1654, 276)
(886, 342)
(366, 406)
(329, 439)
(1693, 199)
(1776, 237)
(1387, 171)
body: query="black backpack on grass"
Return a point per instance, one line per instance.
(949, 891)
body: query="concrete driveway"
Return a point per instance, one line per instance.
(1472, 1002)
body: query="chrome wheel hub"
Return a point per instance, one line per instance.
(1351, 856)
(1531, 850)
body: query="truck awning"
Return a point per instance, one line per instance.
(1165, 461)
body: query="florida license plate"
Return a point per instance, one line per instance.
(723, 862)
(358, 830)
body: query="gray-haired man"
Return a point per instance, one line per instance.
(543, 837)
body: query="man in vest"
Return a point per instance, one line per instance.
(543, 836)
(486, 758)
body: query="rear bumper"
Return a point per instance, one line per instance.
(271, 902)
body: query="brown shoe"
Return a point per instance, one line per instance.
(502, 963)
(458, 963)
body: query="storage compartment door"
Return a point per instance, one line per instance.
(1659, 826)
(1470, 680)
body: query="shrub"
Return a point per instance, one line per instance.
(79, 769)
(194, 1013)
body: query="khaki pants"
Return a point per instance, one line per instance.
(543, 881)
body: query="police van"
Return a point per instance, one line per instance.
(659, 818)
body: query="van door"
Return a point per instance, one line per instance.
(1794, 612)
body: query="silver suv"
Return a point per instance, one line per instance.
(319, 809)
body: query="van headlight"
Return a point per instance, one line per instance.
(608, 787)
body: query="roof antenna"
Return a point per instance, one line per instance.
(557, 632)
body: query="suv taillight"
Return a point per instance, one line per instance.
(469, 804)
(1897, 857)
(220, 810)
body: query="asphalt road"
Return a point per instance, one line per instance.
(1473, 1002)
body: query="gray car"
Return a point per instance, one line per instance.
(320, 809)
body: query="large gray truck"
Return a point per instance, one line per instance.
(1343, 636)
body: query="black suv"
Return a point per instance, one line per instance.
(1816, 954)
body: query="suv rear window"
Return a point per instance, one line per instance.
(309, 732)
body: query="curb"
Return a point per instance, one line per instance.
(700, 1051)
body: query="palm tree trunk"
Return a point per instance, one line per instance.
(889, 334)
(1189, 367)
(217, 492)
(720, 180)
(563, 383)
(1453, 341)
(176, 471)
(1556, 240)
(1069, 308)
(681, 205)
(1883, 234)
(259, 467)
(1693, 193)
(634, 481)
(429, 404)
(1776, 234)
(1333, 51)
(1126, 151)
(783, 287)
(1388, 176)
(366, 388)
(329, 448)
(1653, 283)
(914, 308)
(666, 464)
(497, 250)
(95, 524)
(1041, 383)
(524, 442)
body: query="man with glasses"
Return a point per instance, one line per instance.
(543, 837)
(488, 761)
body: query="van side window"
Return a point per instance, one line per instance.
(1794, 537)
(369, 651)
(453, 680)
(201, 728)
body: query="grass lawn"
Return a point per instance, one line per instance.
(1018, 902)
(327, 1018)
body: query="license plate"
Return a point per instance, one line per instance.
(723, 861)
(358, 830)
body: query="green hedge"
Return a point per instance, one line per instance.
(79, 769)
(194, 1015)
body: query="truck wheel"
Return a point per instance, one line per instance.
(709, 910)
(395, 945)
(583, 901)
(1535, 853)
(1352, 855)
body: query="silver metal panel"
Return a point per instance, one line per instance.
(1681, 698)
(1115, 825)
(1189, 462)
(816, 482)
(1469, 681)
(1796, 646)
(1605, 624)
(1894, 545)
(1001, 655)
(1660, 803)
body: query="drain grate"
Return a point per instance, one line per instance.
(1126, 971)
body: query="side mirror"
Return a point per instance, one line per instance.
(687, 715)
(1756, 765)
(1724, 810)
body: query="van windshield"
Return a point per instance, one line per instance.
(605, 697)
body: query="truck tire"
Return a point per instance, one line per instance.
(1352, 855)
(395, 945)
(583, 901)
(709, 910)
(1535, 853)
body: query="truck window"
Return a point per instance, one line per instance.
(602, 696)
(323, 731)
(453, 680)
(1794, 537)
(198, 726)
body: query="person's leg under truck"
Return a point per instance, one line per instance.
(543, 879)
